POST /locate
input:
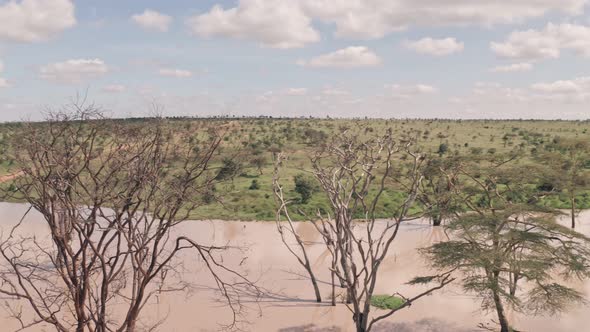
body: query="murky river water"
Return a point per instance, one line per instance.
(291, 307)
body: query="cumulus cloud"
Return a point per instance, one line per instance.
(114, 88)
(288, 24)
(571, 96)
(579, 86)
(296, 91)
(546, 43)
(436, 47)
(377, 18)
(74, 71)
(409, 91)
(178, 73)
(350, 57)
(35, 20)
(515, 67)
(276, 24)
(331, 91)
(152, 20)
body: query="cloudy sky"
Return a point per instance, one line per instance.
(347, 58)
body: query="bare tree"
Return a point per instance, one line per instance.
(112, 195)
(287, 231)
(354, 173)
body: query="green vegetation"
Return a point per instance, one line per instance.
(248, 146)
(387, 302)
(507, 241)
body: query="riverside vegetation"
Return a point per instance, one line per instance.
(497, 188)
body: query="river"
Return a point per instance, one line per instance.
(289, 304)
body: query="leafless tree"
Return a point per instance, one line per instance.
(287, 231)
(112, 194)
(353, 173)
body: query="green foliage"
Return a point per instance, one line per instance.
(510, 250)
(387, 302)
(305, 186)
(442, 149)
(250, 141)
(229, 168)
(254, 185)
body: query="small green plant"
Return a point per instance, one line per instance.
(254, 185)
(387, 302)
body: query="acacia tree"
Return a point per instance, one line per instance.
(510, 252)
(353, 173)
(567, 163)
(111, 195)
(435, 191)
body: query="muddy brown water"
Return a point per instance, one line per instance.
(289, 305)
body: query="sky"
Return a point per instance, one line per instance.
(470, 59)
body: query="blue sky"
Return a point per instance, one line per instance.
(348, 58)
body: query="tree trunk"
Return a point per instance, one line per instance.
(333, 290)
(573, 200)
(314, 282)
(504, 327)
(361, 322)
(436, 220)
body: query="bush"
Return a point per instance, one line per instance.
(305, 186)
(254, 185)
(229, 169)
(442, 149)
(386, 302)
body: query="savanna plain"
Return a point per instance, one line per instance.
(302, 224)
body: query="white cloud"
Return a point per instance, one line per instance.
(409, 91)
(114, 88)
(515, 67)
(330, 91)
(3, 82)
(152, 20)
(296, 91)
(35, 20)
(350, 57)
(579, 86)
(571, 97)
(74, 71)
(547, 43)
(276, 24)
(377, 18)
(178, 73)
(436, 47)
(288, 24)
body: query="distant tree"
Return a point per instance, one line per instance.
(254, 185)
(258, 161)
(305, 186)
(442, 149)
(567, 163)
(229, 168)
(509, 252)
(436, 190)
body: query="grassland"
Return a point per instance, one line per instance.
(250, 144)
